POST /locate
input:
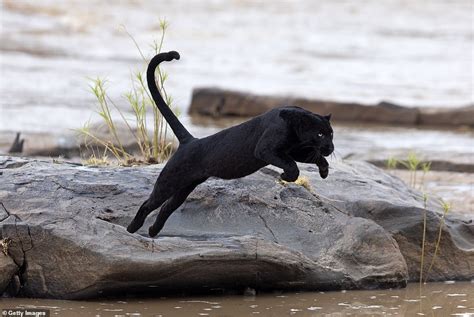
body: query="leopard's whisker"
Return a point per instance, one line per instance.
(334, 155)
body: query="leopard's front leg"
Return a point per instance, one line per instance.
(323, 166)
(268, 149)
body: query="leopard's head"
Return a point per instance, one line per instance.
(312, 130)
(325, 136)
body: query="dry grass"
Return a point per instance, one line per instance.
(5, 244)
(414, 164)
(301, 181)
(446, 208)
(154, 145)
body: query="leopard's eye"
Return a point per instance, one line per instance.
(320, 135)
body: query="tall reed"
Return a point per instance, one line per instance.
(154, 146)
(412, 163)
(446, 208)
(425, 199)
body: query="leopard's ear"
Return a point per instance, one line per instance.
(328, 117)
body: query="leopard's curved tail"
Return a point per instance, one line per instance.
(179, 130)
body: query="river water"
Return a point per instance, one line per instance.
(437, 299)
(410, 52)
(417, 53)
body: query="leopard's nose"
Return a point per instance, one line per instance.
(326, 151)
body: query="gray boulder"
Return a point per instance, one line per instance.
(8, 269)
(362, 190)
(66, 223)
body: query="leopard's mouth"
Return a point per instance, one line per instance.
(326, 151)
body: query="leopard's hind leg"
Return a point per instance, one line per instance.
(161, 192)
(170, 206)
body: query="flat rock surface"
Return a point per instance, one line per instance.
(360, 228)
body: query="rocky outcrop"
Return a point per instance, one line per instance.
(461, 116)
(217, 102)
(357, 229)
(8, 269)
(399, 209)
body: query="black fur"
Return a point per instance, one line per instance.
(280, 137)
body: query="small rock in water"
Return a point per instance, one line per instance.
(17, 146)
(250, 292)
(314, 308)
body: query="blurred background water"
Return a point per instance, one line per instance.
(409, 52)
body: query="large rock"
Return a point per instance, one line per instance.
(462, 116)
(8, 269)
(400, 210)
(217, 102)
(66, 223)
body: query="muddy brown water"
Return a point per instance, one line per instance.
(437, 299)
(393, 50)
